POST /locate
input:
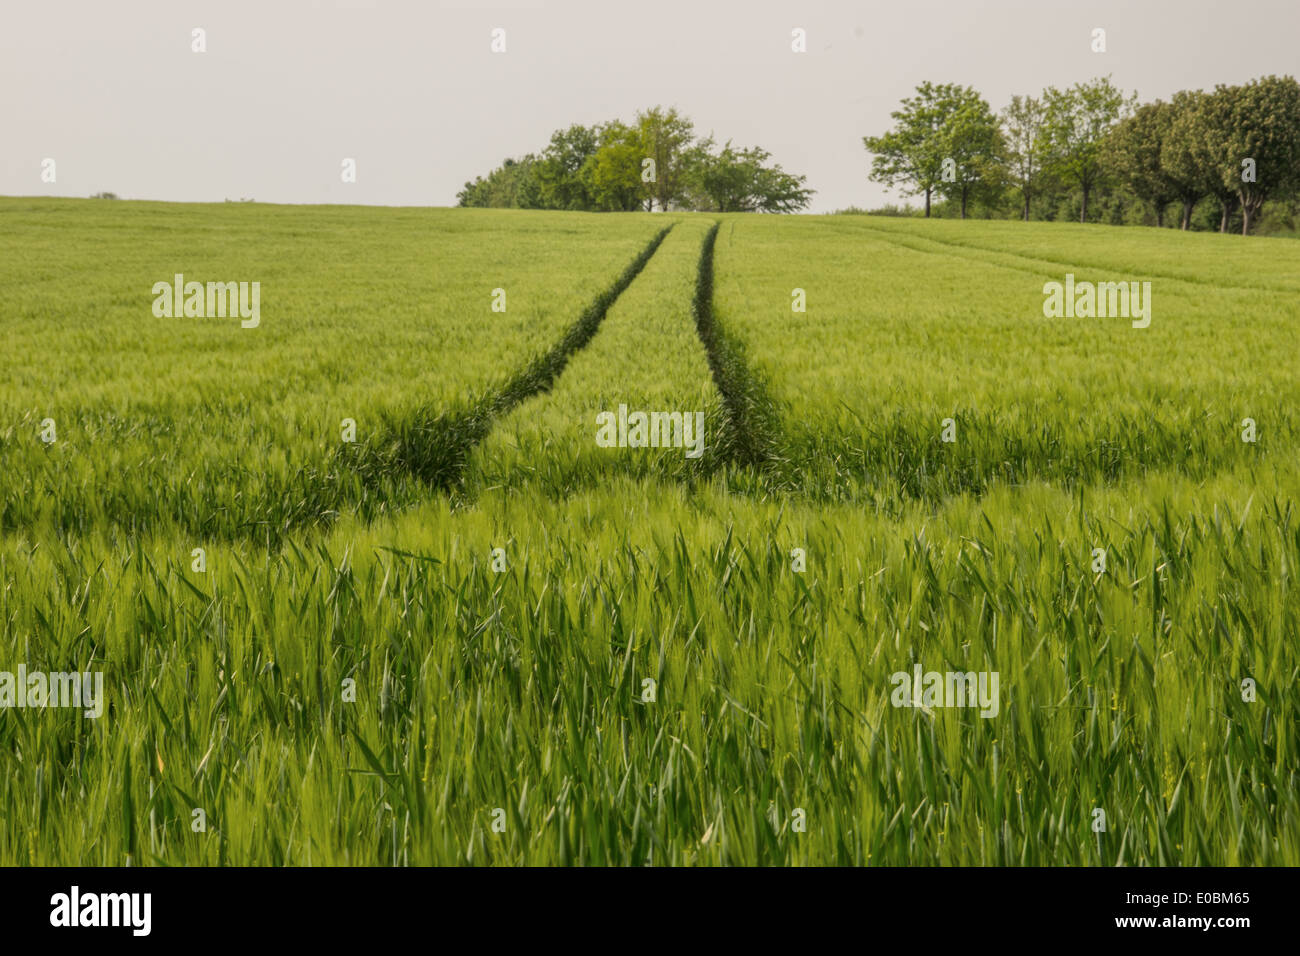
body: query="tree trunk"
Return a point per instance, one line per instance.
(963, 202)
(1026, 207)
(1083, 210)
(927, 204)
(1187, 214)
(1160, 215)
(1247, 218)
(1223, 215)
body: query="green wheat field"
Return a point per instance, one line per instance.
(473, 635)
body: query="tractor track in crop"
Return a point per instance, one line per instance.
(435, 444)
(753, 436)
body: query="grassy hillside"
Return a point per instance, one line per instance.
(476, 636)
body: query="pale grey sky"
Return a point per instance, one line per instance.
(288, 88)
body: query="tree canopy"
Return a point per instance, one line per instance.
(657, 161)
(1054, 155)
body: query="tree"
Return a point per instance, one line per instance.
(609, 167)
(944, 126)
(911, 154)
(1189, 184)
(973, 148)
(779, 191)
(1025, 146)
(512, 185)
(1133, 152)
(615, 169)
(1257, 145)
(562, 173)
(1076, 123)
(667, 137)
(738, 180)
(1195, 149)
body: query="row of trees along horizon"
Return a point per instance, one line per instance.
(1228, 159)
(1093, 153)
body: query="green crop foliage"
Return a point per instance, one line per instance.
(648, 358)
(383, 317)
(476, 637)
(906, 327)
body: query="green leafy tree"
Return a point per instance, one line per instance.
(512, 185)
(1133, 152)
(1195, 149)
(1257, 144)
(667, 137)
(910, 156)
(1025, 147)
(563, 178)
(1076, 123)
(607, 167)
(1190, 184)
(974, 151)
(740, 180)
(614, 171)
(779, 191)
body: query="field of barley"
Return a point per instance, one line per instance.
(476, 635)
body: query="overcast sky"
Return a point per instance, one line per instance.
(288, 88)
